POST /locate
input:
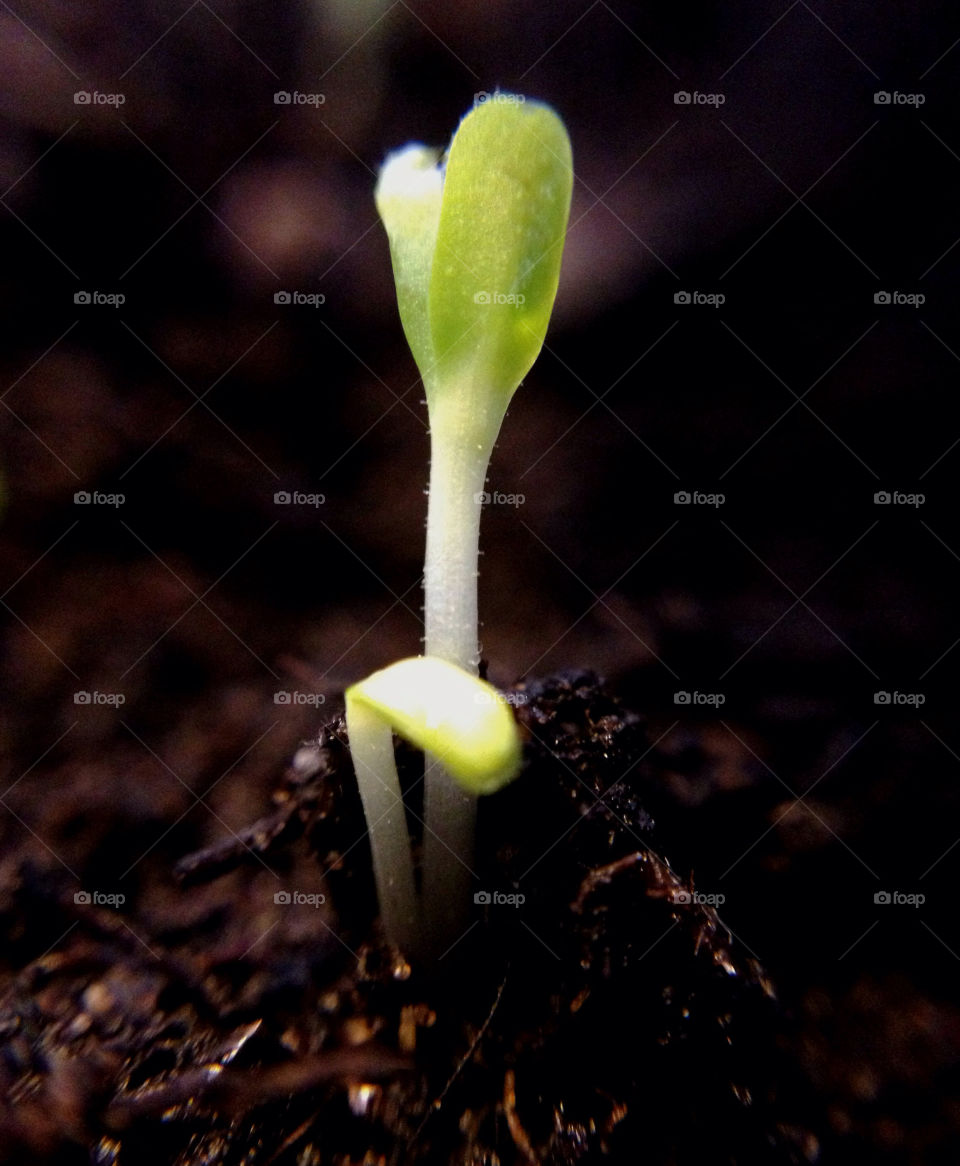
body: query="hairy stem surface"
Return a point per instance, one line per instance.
(461, 445)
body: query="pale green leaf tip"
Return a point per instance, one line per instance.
(461, 720)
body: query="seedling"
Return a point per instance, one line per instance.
(476, 240)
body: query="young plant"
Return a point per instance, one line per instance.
(476, 240)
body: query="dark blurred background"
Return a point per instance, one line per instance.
(757, 312)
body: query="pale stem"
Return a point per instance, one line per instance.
(371, 746)
(461, 446)
(458, 474)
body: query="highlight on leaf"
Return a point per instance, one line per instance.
(439, 708)
(447, 712)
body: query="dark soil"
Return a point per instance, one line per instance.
(607, 1017)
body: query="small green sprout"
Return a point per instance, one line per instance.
(476, 241)
(476, 247)
(459, 719)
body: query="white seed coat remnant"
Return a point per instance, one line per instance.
(412, 172)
